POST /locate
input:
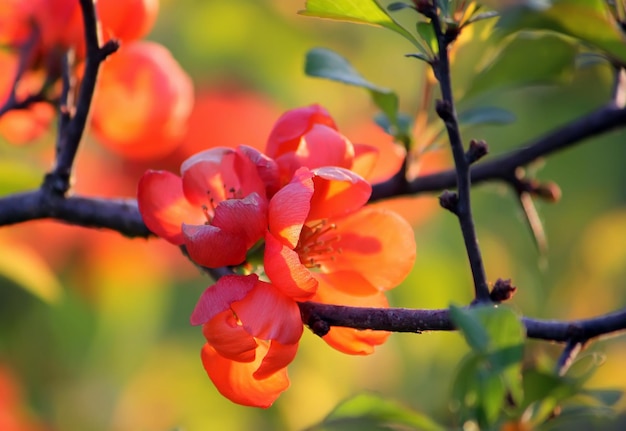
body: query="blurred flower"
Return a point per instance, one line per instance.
(217, 208)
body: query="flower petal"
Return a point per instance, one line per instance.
(324, 146)
(221, 295)
(268, 314)
(213, 247)
(338, 192)
(266, 167)
(284, 269)
(384, 255)
(229, 338)
(365, 157)
(290, 207)
(163, 206)
(236, 382)
(287, 131)
(278, 356)
(350, 282)
(243, 217)
(349, 340)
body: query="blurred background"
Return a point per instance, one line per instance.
(94, 327)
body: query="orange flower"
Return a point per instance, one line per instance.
(323, 245)
(252, 331)
(217, 208)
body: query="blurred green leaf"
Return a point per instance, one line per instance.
(526, 59)
(471, 327)
(587, 20)
(357, 11)
(607, 397)
(372, 412)
(426, 31)
(18, 176)
(22, 265)
(485, 115)
(325, 63)
(491, 394)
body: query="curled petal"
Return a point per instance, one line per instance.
(229, 338)
(266, 167)
(163, 206)
(384, 255)
(268, 314)
(349, 340)
(324, 146)
(213, 247)
(236, 380)
(212, 155)
(284, 269)
(218, 297)
(337, 192)
(277, 357)
(290, 207)
(285, 136)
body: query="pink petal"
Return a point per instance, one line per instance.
(163, 206)
(267, 168)
(283, 267)
(245, 218)
(213, 247)
(268, 314)
(324, 146)
(221, 295)
(290, 207)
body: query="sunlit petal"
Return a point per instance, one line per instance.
(246, 218)
(290, 206)
(236, 382)
(163, 206)
(229, 338)
(350, 282)
(324, 146)
(278, 356)
(337, 192)
(218, 297)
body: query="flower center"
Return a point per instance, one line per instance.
(214, 201)
(316, 244)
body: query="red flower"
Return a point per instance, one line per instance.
(252, 331)
(217, 208)
(309, 137)
(323, 245)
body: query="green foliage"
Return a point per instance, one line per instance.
(587, 20)
(370, 412)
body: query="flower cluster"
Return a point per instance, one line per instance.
(295, 224)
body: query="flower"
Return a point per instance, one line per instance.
(252, 331)
(323, 245)
(217, 208)
(309, 137)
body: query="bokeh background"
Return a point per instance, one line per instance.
(94, 327)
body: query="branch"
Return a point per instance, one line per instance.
(410, 320)
(460, 205)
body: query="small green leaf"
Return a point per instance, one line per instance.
(491, 395)
(526, 59)
(485, 115)
(324, 63)
(482, 16)
(607, 397)
(357, 11)
(399, 6)
(420, 56)
(372, 412)
(587, 20)
(427, 33)
(471, 327)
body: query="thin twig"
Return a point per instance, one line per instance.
(571, 350)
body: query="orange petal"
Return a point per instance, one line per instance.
(378, 244)
(284, 269)
(164, 207)
(350, 282)
(337, 192)
(236, 381)
(349, 340)
(218, 297)
(290, 207)
(229, 339)
(365, 157)
(268, 314)
(278, 356)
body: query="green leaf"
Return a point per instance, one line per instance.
(324, 63)
(372, 412)
(607, 397)
(426, 31)
(527, 59)
(485, 115)
(491, 395)
(357, 11)
(471, 327)
(587, 20)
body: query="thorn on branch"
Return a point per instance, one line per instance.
(502, 290)
(107, 49)
(477, 150)
(317, 325)
(450, 201)
(445, 111)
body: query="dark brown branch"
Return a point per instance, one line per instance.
(409, 320)
(121, 215)
(502, 168)
(446, 110)
(58, 181)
